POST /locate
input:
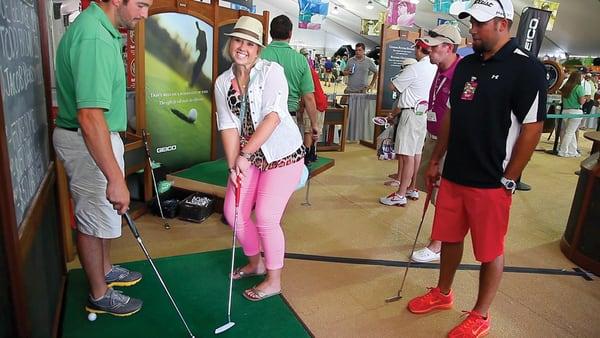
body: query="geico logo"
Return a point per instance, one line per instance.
(531, 32)
(166, 149)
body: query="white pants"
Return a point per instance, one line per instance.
(568, 142)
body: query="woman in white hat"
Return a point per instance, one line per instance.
(264, 152)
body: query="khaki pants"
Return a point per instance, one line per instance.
(428, 148)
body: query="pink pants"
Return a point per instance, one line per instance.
(269, 192)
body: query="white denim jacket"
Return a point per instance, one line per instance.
(268, 92)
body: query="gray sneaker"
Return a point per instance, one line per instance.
(115, 303)
(119, 276)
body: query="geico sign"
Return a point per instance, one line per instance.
(531, 31)
(166, 149)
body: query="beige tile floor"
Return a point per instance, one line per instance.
(342, 300)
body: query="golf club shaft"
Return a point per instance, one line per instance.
(156, 190)
(412, 251)
(136, 234)
(235, 220)
(145, 139)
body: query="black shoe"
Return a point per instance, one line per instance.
(523, 186)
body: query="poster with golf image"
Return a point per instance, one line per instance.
(178, 72)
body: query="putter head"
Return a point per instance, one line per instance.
(167, 226)
(224, 328)
(393, 299)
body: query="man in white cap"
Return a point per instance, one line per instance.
(498, 104)
(444, 41)
(413, 83)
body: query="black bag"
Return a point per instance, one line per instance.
(196, 207)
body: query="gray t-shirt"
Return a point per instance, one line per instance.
(359, 79)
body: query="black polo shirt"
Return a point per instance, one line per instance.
(484, 124)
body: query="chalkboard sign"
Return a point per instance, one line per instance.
(395, 52)
(23, 99)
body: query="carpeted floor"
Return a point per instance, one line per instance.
(199, 285)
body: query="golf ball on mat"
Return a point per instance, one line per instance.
(193, 115)
(92, 316)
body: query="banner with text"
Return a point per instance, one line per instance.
(532, 27)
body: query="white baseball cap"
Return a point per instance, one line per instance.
(445, 33)
(486, 10)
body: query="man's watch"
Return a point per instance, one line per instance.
(508, 184)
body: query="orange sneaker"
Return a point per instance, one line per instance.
(432, 300)
(472, 327)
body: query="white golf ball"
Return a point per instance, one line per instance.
(92, 316)
(193, 114)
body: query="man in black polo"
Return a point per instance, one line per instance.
(497, 101)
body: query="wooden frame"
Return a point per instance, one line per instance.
(18, 239)
(387, 35)
(214, 15)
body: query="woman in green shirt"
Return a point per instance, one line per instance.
(573, 97)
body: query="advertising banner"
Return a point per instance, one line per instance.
(178, 73)
(548, 6)
(532, 27)
(401, 13)
(312, 13)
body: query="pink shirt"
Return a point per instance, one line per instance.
(438, 96)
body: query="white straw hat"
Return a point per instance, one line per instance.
(248, 28)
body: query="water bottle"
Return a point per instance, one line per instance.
(353, 68)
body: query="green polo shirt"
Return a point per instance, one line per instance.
(572, 102)
(296, 70)
(90, 72)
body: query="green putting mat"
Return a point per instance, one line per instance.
(199, 284)
(216, 173)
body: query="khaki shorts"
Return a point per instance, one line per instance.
(94, 214)
(306, 128)
(428, 148)
(411, 133)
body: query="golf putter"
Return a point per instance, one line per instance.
(145, 139)
(398, 296)
(136, 234)
(229, 323)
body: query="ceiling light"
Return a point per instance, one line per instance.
(335, 10)
(369, 4)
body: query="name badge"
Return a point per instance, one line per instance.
(469, 90)
(431, 116)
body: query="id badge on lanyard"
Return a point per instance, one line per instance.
(469, 90)
(431, 116)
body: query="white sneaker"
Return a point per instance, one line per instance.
(393, 199)
(425, 255)
(412, 194)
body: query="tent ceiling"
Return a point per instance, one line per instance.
(576, 30)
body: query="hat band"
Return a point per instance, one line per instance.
(247, 32)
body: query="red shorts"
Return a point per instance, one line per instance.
(485, 212)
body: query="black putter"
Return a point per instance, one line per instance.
(136, 234)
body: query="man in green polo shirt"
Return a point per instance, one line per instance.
(295, 66)
(90, 85)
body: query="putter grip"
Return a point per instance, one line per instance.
(237, 191)
(132, 225)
